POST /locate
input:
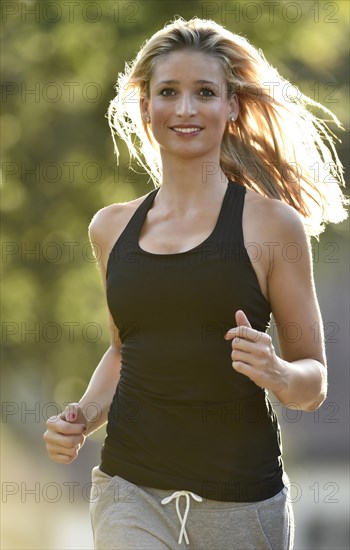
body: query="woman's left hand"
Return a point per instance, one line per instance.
(253, 355)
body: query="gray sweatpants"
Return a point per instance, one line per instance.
(125, 516)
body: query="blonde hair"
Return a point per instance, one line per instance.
(275, 146)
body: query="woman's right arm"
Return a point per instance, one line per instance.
(66, 432)
(96, 401)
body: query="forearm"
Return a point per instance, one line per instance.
(304, 384)
(97, 399)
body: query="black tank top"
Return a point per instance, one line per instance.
(181, 417)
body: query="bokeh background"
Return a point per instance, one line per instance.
(59, 63)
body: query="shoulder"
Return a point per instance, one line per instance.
(112, 218)
(275, 238)
(107, 225)
(275, 219)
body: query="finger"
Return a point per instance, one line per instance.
(242, 367)
(242, 319)
(63, 427)
(73, 413)
(53, 420)
(241, 356)
(64, 441)
(244, 328)
(63, 448)
(54, 450)
(63, 458)
(243, 345)
(243, 332)
(248, 371)
(68, 428)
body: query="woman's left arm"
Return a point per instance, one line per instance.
(299, 377)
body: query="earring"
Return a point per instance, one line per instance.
(148, 119)
(232, 118)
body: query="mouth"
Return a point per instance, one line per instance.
(186, 130)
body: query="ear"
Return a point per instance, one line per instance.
(234, 105)
(144, 107)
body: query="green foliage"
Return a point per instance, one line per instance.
(60, 65)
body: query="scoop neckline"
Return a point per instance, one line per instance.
(193, 249)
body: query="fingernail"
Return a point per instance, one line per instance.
(71, 416)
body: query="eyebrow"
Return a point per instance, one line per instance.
(178, 82)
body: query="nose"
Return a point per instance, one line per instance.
(186, 105)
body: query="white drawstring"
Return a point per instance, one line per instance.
(183, 519)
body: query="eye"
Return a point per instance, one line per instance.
(167, 92)
(207, 92)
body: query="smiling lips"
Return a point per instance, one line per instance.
(188, 130)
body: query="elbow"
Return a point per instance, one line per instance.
(316, 404)
(321, 395)
(321, 392)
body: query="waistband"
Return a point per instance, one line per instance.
(177, 495)
(103, 481)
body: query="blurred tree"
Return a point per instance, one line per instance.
(60, 62)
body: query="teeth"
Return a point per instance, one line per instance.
(186, 130)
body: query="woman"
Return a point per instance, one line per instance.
(192, 272)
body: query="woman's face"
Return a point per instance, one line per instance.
(188, 105)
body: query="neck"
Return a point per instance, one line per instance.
(191, 182)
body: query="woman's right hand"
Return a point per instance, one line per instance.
(64, 436)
